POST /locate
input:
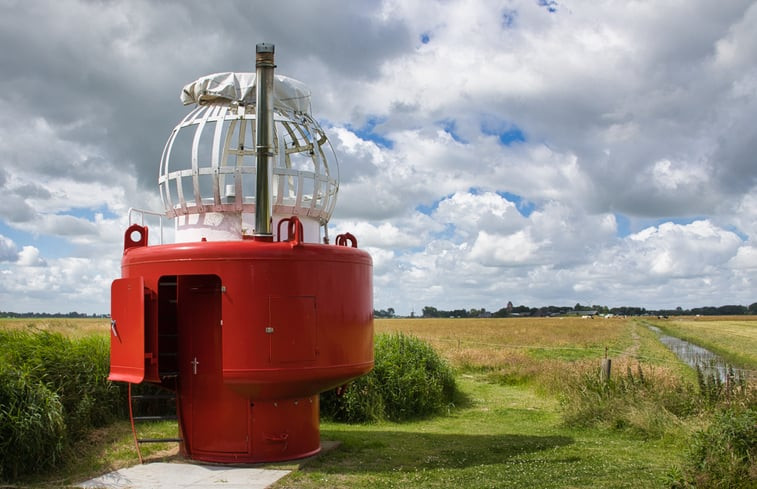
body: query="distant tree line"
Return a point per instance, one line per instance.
(507, 311)
(74, 314)
(525, 311)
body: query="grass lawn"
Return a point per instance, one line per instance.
(498, 436)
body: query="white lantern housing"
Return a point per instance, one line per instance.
(208, 169)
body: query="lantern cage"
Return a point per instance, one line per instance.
(208, 168)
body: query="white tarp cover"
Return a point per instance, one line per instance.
(288, 93)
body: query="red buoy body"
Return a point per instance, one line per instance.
(246, 317)
(253, 332)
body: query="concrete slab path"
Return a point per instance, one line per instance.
(190, 475)
(161, 475)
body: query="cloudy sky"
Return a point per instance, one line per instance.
(539, 152)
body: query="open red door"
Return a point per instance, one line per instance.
(127, 330)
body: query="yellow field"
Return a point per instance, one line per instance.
(72, 327)
(496, 342)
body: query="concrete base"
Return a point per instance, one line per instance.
(163, 475)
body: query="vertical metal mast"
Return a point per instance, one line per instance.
(264, 67)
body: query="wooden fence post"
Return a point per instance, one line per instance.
(606, 367)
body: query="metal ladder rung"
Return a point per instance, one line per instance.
(154, 396)
(156, 418)
(159, 440)
(133, 419)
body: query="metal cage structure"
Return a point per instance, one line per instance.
(208, 167)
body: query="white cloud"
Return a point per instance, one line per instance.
(29, 257)
(631, 179)
(667, 176)
(513, 249)
(471, 213)
(692, 250)
(745, 258)
(8, 250)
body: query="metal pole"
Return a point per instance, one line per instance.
(264, 67)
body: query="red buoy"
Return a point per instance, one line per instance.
(249, 314)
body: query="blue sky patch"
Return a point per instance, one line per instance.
(508, 18)
(550, 5)
(88, 213)
(48, 246)
(738, 232)
(429, 209)
(623, 225)
(508, 133)
(514, 135)
(450, 127)
(367, 133)
(525, 207)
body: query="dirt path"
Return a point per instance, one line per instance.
(633, 350)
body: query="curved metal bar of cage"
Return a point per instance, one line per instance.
(319, 204)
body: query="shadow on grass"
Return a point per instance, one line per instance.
(380, 451)
(461, 399)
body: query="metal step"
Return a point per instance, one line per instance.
(159, 398)
(154, 396)
(170, 417)
(159, 440)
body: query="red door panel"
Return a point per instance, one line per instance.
(219, 416)
(127, 331)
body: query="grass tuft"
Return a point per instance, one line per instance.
(647, 401)
(724, 454)
(409, 380)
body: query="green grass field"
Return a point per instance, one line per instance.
(509, 430)
(507, 427)
(500, 436)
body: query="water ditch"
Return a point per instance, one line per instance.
(694, 355)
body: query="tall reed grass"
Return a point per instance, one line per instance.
(717, 419)
(648, 401)
(53, 389)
